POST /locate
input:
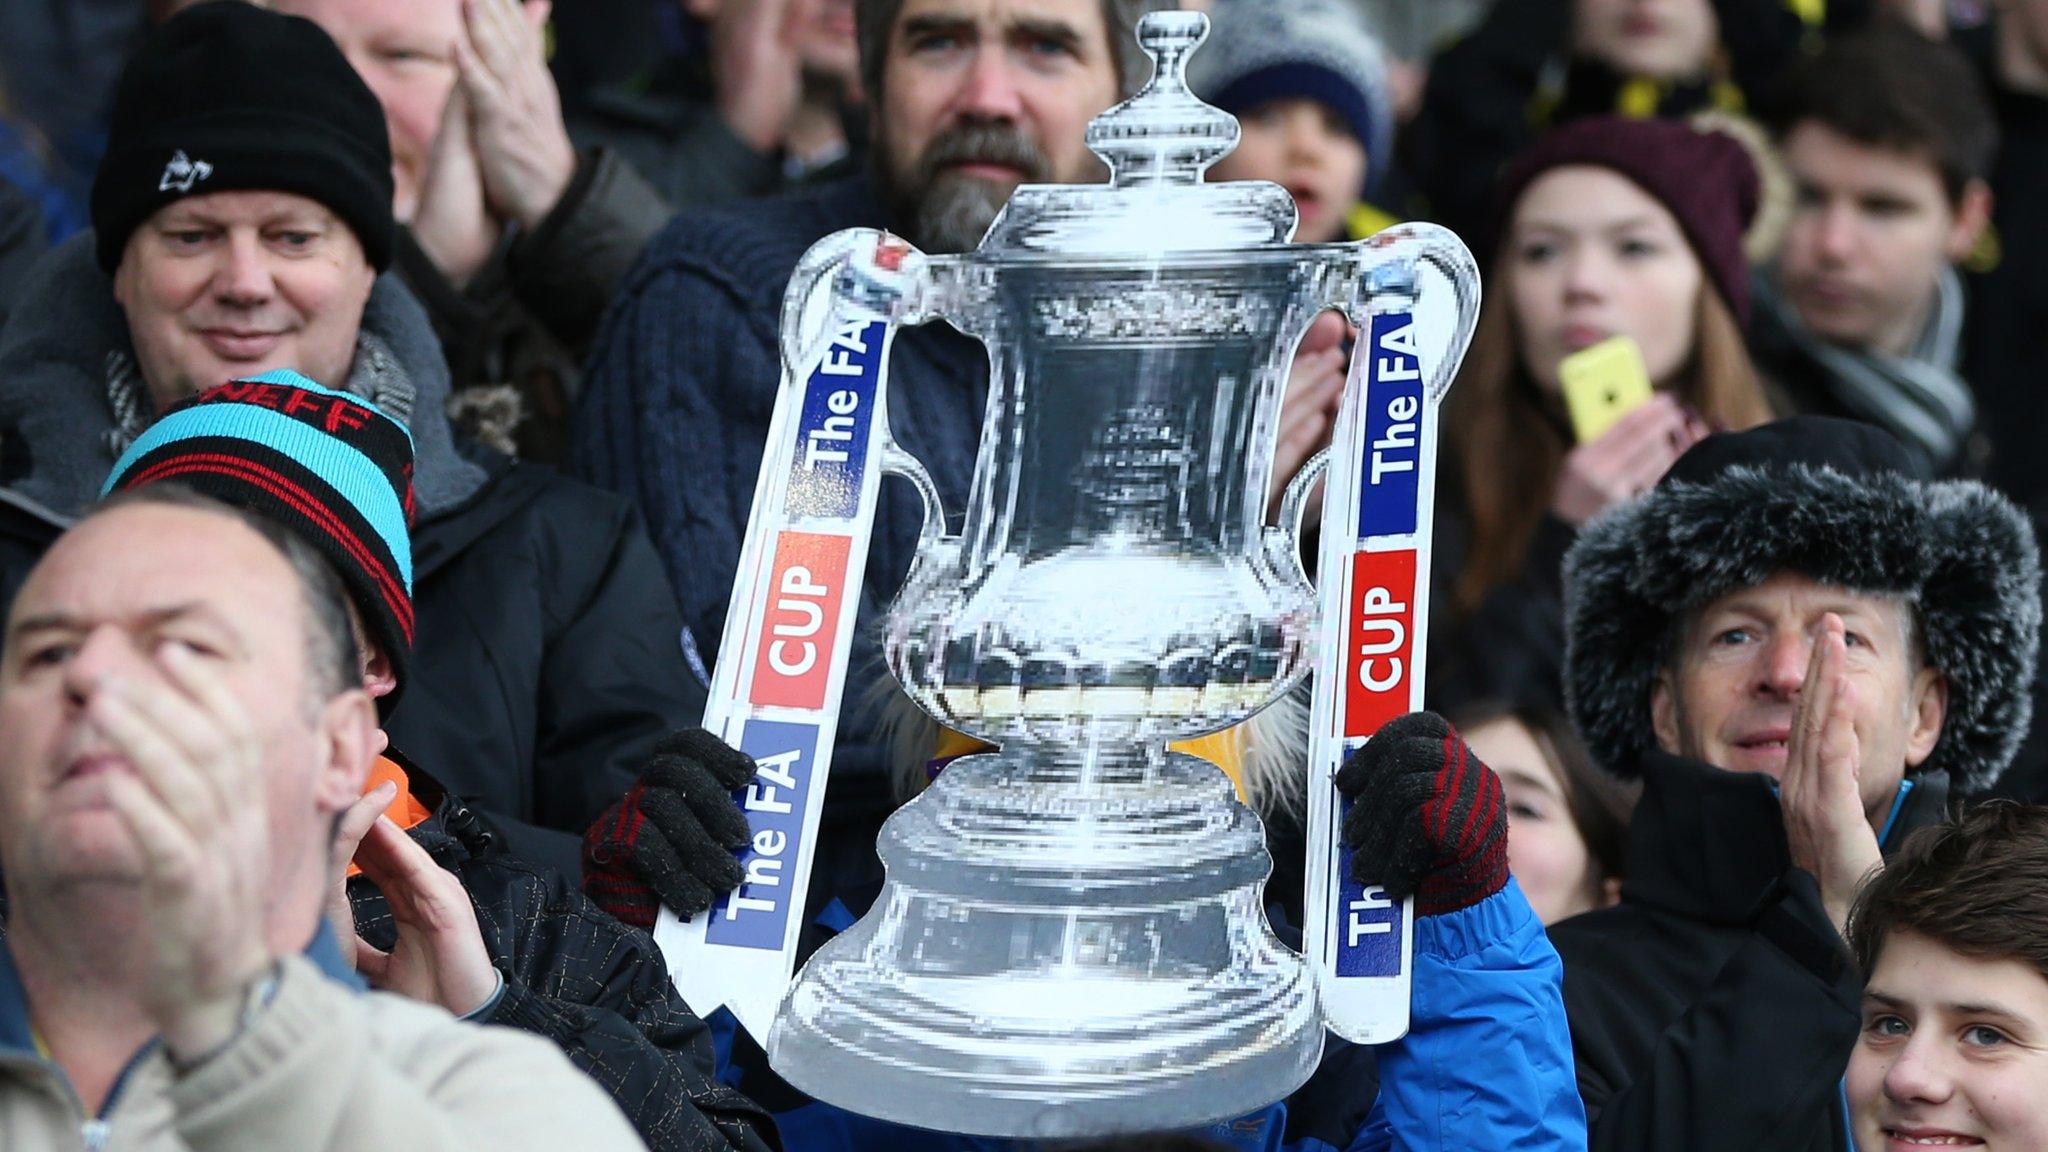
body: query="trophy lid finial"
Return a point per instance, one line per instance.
(1165, 134)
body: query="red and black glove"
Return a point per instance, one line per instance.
(670, 839)
(1426, 816)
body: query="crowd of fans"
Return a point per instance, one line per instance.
(383, 385)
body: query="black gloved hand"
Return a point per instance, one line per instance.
(670, 839)
(1426, 816)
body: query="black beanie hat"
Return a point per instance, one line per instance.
(229, 97)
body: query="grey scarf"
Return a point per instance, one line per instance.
(1918, 397)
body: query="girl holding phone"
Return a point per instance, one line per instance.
(1606, 228)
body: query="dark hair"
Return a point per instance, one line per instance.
(333, 663)
(1600, 804)
(1976, 884)
(1890, 87)
(874, 20)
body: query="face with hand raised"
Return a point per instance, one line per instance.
(1731, 692)
(1953, 1051)
(124, 614)
(405, 51)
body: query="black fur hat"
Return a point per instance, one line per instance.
(1840, 502)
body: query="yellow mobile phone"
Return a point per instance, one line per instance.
(1602, 384)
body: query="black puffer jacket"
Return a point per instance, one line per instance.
(597, 988)
(547, 659)
(1715, 1007)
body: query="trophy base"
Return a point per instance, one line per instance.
(1062, 950)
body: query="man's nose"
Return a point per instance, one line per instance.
(1783, 669)
(105, 651)
(990, 90)
(244, 274)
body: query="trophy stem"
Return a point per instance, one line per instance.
(1071, 942)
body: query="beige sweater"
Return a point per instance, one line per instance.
(326, 1069)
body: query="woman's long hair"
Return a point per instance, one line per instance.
(1508, 440)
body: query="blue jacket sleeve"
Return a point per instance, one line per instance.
(1487, 1062)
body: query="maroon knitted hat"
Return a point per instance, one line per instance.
(1706, 179)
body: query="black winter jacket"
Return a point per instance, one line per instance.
(1715, 1007)
(21, 242)
(1511, 647)
(597, 988)
(547, 658)
(1490, 94)
(516, 333)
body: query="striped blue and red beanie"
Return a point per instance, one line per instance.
(328, 465)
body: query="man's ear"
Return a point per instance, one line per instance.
(348, 726)
(380, 679)
(1664, 712)
(1929, 704)
(1972, 217)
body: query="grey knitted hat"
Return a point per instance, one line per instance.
(1261, 50)
(1842, 503)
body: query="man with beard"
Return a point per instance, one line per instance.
(969, 98)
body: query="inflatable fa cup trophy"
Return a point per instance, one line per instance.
(1072, 939)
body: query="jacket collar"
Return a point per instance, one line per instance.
(1707, 844)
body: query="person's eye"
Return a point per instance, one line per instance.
(296, 239)
(1049, 47)
(46, 655)
(933, 43)
(1537, 252)
(1887, 209)
(1983, 1036)
(1732, 637)
(186, 237)
(1887, 1026)
(191, 645)
(1856, 639)
(1523, 810)
(406, 56)
(1636, 248)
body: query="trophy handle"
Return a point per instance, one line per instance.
(896, 461)
(1284, 538)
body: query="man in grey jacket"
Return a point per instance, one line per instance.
(185, 723)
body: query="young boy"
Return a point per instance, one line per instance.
(1308, 85)
(1954, 938)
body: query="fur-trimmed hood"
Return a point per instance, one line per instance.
(1842, 504)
